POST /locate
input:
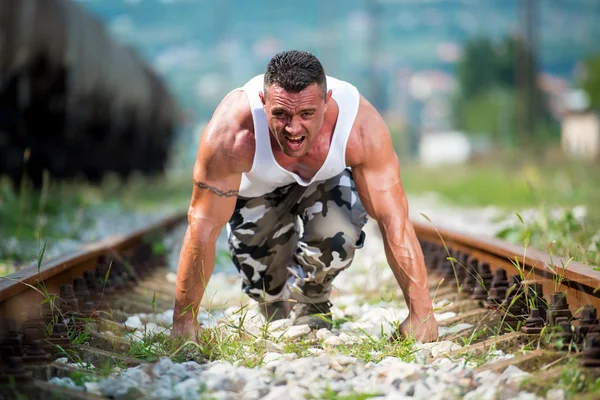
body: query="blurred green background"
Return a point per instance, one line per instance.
(489, 102)
(499, 70)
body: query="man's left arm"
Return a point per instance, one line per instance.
(377, 178)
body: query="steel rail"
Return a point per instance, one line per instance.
(580, 282)
(16, 290)
(142, 289)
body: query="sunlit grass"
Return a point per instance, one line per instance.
(518, 186)
(64, 210)
(574, 380)
(508, 184)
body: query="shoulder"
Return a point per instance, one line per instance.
(229, 135)
(370, 136)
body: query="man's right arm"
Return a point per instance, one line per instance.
(217, 175)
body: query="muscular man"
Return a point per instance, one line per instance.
(293, 162)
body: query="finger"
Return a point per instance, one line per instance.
(397, 335)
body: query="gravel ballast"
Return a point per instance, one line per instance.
(366, 296)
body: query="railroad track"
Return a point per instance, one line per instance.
(505, 297)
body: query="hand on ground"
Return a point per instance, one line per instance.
(422, 329)
(188, 329)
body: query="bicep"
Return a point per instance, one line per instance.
(215, 190)
(215, 183)
(214, 195)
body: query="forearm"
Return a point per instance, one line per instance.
(196, 265)
(405, 258)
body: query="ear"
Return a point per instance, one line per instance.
(328, 98)
(262, 99)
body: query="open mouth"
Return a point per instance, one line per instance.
(295, 142)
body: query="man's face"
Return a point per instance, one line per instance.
(295, 119)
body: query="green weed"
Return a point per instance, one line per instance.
(573, 379)
(562, 235)
(376, 348)
(330, 394)
(63, 210)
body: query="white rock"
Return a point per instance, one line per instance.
(442, 303)
(347, 339)
(369, 328)
(188, 388)
(353, 311)
(133, 322)
(138, 374)
(498, 355)
(347, 300)
(270, 357)
(442, 330)
(421, 391)
(451, 394)
(277, 393)
(219, 382)
(485, 377)
(125, 387)
(556, 394)
(165, 318)
(315, 351)
(526, 396)
(513, 374)
(324, 333)
(345, 360)
(279, 325)
(223, 395)
(434, 349)
(192, 367)
(162, 367)
(65, 382)
(269, 346)
(391, 368)
(171, 277)
(92, 387)
(332, 341)
(440, 317)
(484, 392)
(296, 331)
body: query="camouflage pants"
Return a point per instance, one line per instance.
(293, 241)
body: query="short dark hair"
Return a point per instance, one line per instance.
(294, 71)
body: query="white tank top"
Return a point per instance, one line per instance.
(266, 174)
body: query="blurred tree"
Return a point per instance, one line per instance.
(490, 100)
(591, 80)
(479, 68)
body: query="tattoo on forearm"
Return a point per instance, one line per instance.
(218, 192)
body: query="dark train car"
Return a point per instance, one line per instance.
(74, 101)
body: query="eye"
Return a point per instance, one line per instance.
(307, 114)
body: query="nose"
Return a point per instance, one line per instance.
(294, 127)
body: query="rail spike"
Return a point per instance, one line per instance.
(534, 323)
(591, 352)
(483, 283)
(498, 288)
(470, 280)
(587, 322)
(559, 308)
